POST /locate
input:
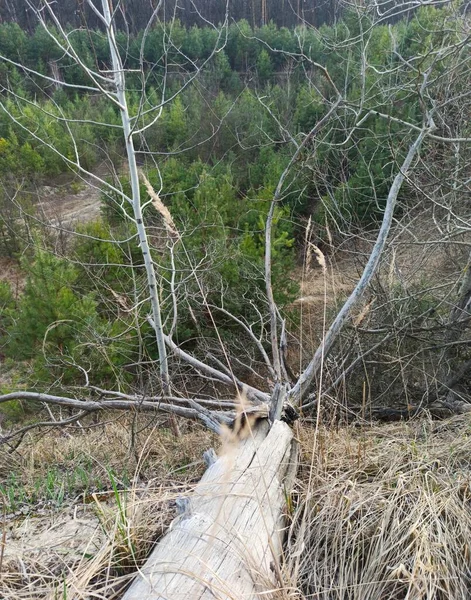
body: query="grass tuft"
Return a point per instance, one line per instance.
(384, 514)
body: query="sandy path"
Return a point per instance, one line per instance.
(65, 203)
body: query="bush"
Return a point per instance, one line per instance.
(50, 313)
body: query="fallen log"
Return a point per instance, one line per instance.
(228, 541)
(440, 409)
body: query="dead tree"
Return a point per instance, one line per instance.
(227, 542)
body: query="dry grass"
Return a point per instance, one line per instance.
(381, 512)
(92, 554)
(152, 453)
(384, 513)
(89, 546)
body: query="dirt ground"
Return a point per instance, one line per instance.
(64, 203)
(72, 199)
(68, 533)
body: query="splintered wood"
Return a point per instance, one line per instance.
(227, 543)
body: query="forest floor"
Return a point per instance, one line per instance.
(384, 510)
(70, 199)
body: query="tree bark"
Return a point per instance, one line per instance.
(120, 85)
(227, 543)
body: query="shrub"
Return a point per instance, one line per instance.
(50, 310)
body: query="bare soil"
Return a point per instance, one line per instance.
(68, 533)
(67, 201)
(72, 199)
(10, 272)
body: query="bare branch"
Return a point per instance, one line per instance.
(88, 406)
(301, 388)
(252, 335)
(268, 233)
(252, 393)
(120, 84)
(40, 425)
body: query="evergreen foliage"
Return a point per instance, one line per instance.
(220, 151)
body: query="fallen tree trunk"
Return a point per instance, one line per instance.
(228, 541)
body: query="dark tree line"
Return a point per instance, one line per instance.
(134, 14)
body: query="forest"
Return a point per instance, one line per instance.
(134, 15)
(210, 210)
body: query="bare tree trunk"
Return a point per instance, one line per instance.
(228, 541)
(120, 84)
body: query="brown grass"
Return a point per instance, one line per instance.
(384, 513)
(380, 512)
(90, 545)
